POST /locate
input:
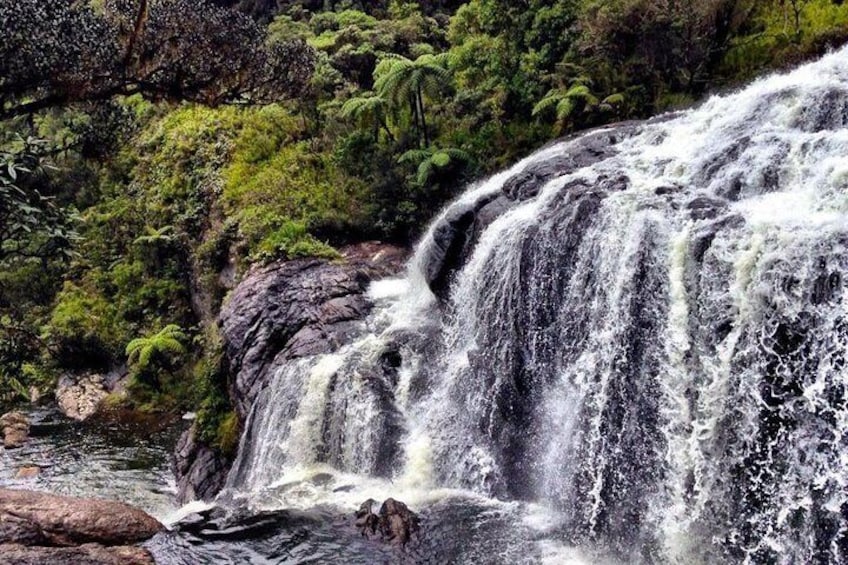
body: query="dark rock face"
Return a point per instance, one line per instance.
(15, 428)
(395, 523)
(283, 311)
(297, 308)
(584, 151)
(201, 471)
(453, 239)
(457, 233)
(38, 527)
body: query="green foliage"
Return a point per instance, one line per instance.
(777, 35)
(11, 388)
(403, 83)
(407, 102)
(84, 327)
(433, 161)
(32, 225)
(148, 357)
(292, 240)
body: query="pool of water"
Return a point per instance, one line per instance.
(128, 459)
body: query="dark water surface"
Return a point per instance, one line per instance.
(126, 460)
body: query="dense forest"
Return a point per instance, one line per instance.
(152, 151)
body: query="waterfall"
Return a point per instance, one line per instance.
(642, 329)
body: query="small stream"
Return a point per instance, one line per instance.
(127, 460)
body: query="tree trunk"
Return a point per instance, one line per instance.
(423, 119)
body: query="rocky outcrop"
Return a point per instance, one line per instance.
(37, 518)
(395, 523)
(37, 527)
(86, 554)
(80, 398)
(278, 312)
(201, 471)
(292, 309)
(456, 234)
(15, 427)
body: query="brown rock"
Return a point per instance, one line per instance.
(27, 472)
(395, 523)
(87, 554)
(366, 520)
(15, 428)
(47, 519)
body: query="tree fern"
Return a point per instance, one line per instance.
(402, 81)
(431, 160)
(144, 353)
(369, 111)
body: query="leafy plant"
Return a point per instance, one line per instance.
(402, 81)
(432, 161)
(148, 356)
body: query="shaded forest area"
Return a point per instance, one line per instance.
(153, 150)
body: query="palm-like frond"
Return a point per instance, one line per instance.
(366, 109)
(563, 103)
(432, 159)
(168, 341)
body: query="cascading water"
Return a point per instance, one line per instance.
(642, 330)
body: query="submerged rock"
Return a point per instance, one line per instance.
(37, 518)
(86, 554)
(27, 472)
(395, 523)
(15, 426)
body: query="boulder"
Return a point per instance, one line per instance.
(80, 398)
(86, 554)
(395, 523)
(15, 426)
(37, 518)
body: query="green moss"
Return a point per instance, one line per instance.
(227, 436)
(291, 240)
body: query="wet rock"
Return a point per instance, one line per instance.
(27, 472)
(395, 523)
(455, 236)
(80, 398)
(37, 518)
(200, 471)
(240, 523)
(15, 426)
(292, 309)
(283, 311)
(86, 554)
(706, 208)
(585, 150)
(367, 521)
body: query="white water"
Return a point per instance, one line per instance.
(670, 386)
